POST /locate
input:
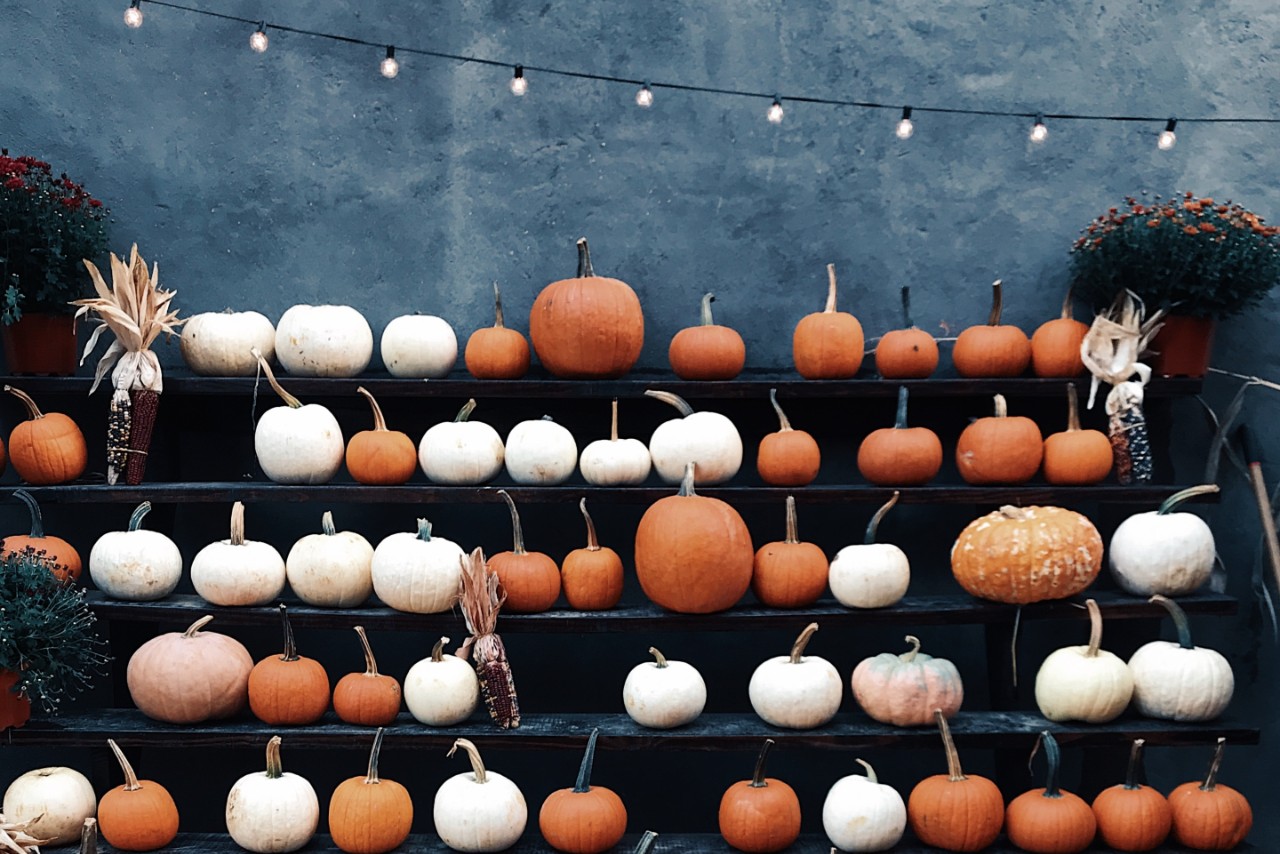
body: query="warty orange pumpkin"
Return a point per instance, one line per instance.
(591, 576)
(583, 819)
(370, 814)
(1131, 816)
(531, 579)
(497, 352)
(709, 351)
(761, 814)
(994, 349)
(380, 457)
(1049, 820)
(787, 457)
(1076, 457)
(1210, 816)
(64, 561)
(999, 449)
(138, 815)
(369, 698)
(900, 455)
(909, 352)
(827, 345)
(955, 811)
(1055, 345)
(1019, 555)
(48, 448)
(789, 574)
(288, 689)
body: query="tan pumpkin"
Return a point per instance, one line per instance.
(189, 677)
(788, 457)
(1055, 345)
(370, 814)
(993, 350)
(907, 353)
(592, 575)
(789, 574)
(1076, 457)
(496, 352)
(530, 579)
(1019, 555)
(827, 345)
(709, 351)
(999, 449)
(906, 689)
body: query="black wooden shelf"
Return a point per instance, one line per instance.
(181, 610)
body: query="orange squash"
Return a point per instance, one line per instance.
(827, 345)
(587, 327)
(288, 689)
(1076, 457)
(139, 815)
(1049, 820)
(591, 576)
(907, 353)
(496, 352)
(707, 352)
(369, 698)
(380, 457)
(63, 559)
(1019, 555)
(788, 457)
(789, 574)
(48, 448)
(955, 811)
(584, 819)
(370, 814)
(999, 449)
(1209, 816)
(993, 350)
(531, 579)
(900, 455)
(1131, 816)
(1055, 345)
(761, 814)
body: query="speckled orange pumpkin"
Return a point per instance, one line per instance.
(1020, 555)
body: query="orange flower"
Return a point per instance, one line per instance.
(1208, 203)
(1170, 212)
(1139, 210)
(1152, 223)
(1190, 229)
(1221, 209)
(1190, 195)
(1208, 227)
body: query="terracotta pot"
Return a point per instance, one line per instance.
(41, 344)
(1184, 345)
(14, 710)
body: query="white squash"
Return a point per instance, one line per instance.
(135, 565)
(441, 690)
(324, 341)
(663, 694)
(540, 453)
(419, 345)
(480, 811)
(274, 811)
(709, 440)
(332, 569)
(417, 573)
(53, 802)
(1084, 683)
(461, 452)
(296, 443)
(1164, 552)
(796, 691)
(1180, 681)
(871, 575)
(220, 344)
(236, 571)
(863, 814)
(614, 461)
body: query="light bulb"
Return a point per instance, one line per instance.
(644, 97)
(775, 111)
(258, 41)
(1168, 139)
(518, 84)
(1039, 133)
(905, 126)
(389, 67)
(133, 16)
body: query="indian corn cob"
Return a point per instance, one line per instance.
(481, 596)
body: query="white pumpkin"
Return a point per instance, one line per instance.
(419, 345)
(324, 341)
(540, 453)
(1164, 552)
(417, 573)
(52, 802)
(296, 443)
(461, 452)
(796, 691)
(863, 814)
(663, 694)
(273, 811)
(332, 569)
(709, 440)
(135, 565)
(1084, 683)
(441, 690)
(480, 811)
(870, 575)
(236, 571)
(220, 344)
(614, 461)
(1180, 681)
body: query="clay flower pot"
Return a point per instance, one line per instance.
(41, 344)
(1184, 345)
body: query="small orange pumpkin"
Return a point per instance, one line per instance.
(992, 350)
(369, 698)
(139, 815)
(827, 345)
(370, 814)
(531, 579)
(1210, 816)
(761, 814)
(999, 449)
(1076, 457)
(707, 352)
(61, 556)
(496, 352)
(788, 457)
(1055, 345)
(288, 689)
(584, 819)
(909, 353)
(1131, 816)
(380, 457)
(955, 811)
(789, 574)
(900, 455)
(48, 448)
(1049, 820)
(591, 576)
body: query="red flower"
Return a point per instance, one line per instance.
(1209, 227)
(1152, 223)
(14, 183)
(94, 203)
(1190, 229)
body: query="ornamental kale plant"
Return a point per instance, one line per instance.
(1188, 255)
(48, 225)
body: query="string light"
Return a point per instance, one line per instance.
(1168, 139)
(905, 126)
(775, 111)
(133, 15)
(518, 84)
(1039, 133)
(644, 97)
(389, 68)
(258, 41)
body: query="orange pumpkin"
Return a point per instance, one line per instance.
(761, 814)
(993, 350)
(139, 815)
(693, 553)
(789, 574)
(592, 576)
(707, 352)
(788, 457)
(380, 457)
(955, 811)
(1131, 816)
(370, 814)
(496, 352)
(999, 449)
(1049, 820)
(63, 559)
(288, 689)
(15, 708)
(1019, 555)
(1055, 345)
(369, 698)
(1209, 816)
(909, 353)
(587, 327)
(900, 455)
(531, 579)
(1076, 457)
(827, 345)
(584, 819)
(48, 448)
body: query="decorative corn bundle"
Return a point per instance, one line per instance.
(481, 598)
(14, 837)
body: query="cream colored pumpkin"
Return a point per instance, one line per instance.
(663, 694)
(220, 344)
(55, 801)
(441, 690)
(907, 689)
(540, 453)
(796, 691)
(332, 569)
(480, 811)
(863, 814)
(189, 677)
(870, 575)
(709, 440)
(1180, 681)
(614, 461)
(273, 811)
(461, 452)
(417, 573)
(1164, 552)
(419, 345)
(135, 565)
(296, 443)
(324, 341)
(1084, 683)
(236, 571)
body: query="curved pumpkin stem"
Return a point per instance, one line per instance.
(33, 411)
(477, 765)
(1211, 779)
(1073, 409)
(585, 269)
(613, 421)
(645, 845)
(517, 533)
(139, 512)
(237, 524)
(910, 655)
(997, 302)
(954, 772)
(290, 645)
(874, 525)
(757, 778)
(707, 299)
(131, 783)
(797, 648)
(37, 519)
(1001, 406)
(674, 399)
(424, 530)
(437, 651)
(1179, 619)
(900, 416)
(291, 401)
(906, 308)
(370, 663)
(793, 527)
(784, 423)
(686, 482)
(1067, 313)
(465, 412)
(1190, 492)
(372, 777)
(379, 422)
(831, 290)
(1134, 775)
(871, 772)
(1095, 628)
(89, 837)
(497, 308)
(593, 544)
(1053, 757)
(275, 768)
(659, 658)
(583, 784)
(195, 627)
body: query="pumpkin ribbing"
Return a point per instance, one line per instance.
(369, 814)
(761, 814)
(953, 811)
(1131, 816)
(369, 698)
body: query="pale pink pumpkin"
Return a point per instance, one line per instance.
(906, 689)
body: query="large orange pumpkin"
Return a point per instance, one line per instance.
(496, 352)
(707, 352)
(907, 353)
(591, 576)
(827, 345)
(48, 448)
(1049, 820)
(584, 819)
(789, 574)
(587, 327)
(761, 814)
(955, 811)
(531, 579)
(693, 553)
(1209, 816)
(999, 449)
(61, 556)
(369, 698)
(370, 814)
(1019, 555)
(1076, 457)
(787, 457)
(1131, 816)
(288, 689)
(380, 457)
(992, 350)
(900, 455)
(1055, 345)
(139, 815)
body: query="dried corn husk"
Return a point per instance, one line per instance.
(14, 838)
(481, 597)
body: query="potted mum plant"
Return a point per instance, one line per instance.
(1198, 260)
(48, 224)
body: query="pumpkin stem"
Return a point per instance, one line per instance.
(1134, 775)
(900, 417)
(784, 423)
(437, 651)
(1177, 498)
(997, 303)
(910, 655)
(290, 646)
(89, 837)
(517, 532)
(370, 663)
(906, 308)
(585, 269)
(645, 845)
(675, 400)
(274, 767)
(1066, 304)
(424, 530)
(797, 648)
(195, 627)
(1211, 779)
(613, 421)
(32, 410)
(686, 482)
(593, 544)
(757, 778)
(135, 520)
(793, 530)
(497, 308)
(831, 290)
(874, 525)
(1179, 619)
(1095, 628)
(465, 412)
(583, 784)
(871, 772)
(1052, 756)
(707, 299)
(477, 765)
(326, 524)
(131, 783)
(290, 400)
(379, 422)
(658, 657)
(37, 520)
(1001, 407)
(954, 772)
(372, 777)
(237, 524)
(1073, 409)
